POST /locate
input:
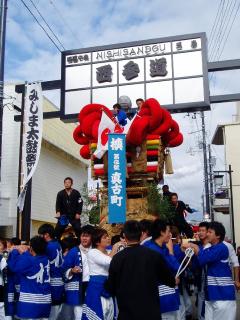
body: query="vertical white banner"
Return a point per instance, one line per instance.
(32, 136)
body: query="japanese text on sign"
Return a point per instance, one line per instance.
(165, 69)
(116, 178)
(32, 138)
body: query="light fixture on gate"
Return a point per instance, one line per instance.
(218, 180)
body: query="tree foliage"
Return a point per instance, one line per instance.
(90, 205)
(157, 204)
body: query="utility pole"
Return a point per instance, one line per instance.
(205, 163)
(203, 206)
(232, 206)
(3, 15)
(210, 160)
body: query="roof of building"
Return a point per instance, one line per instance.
(55, 132)
(59, 133)
(218, 137)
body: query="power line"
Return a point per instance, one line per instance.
(228, 14)
(225, 26)
(47, 24)
(36, 19)
(215, 24)
(64, 20)
(230, 29)
(218, 30)
(225, 12)
(219, 54)
(212, 41)
(213, 75)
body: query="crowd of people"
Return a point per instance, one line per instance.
(129, 277)
(141, 273)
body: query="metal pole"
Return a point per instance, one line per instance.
(232, 208)
(203, 206)
(210, 181)
(26, 214)
(20, 178)
(205, 163)
(24, 217)
(98, 202)
(3, 14)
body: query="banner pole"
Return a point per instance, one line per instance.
(20, 171)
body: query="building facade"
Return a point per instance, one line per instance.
(59, 158)
(228, 135)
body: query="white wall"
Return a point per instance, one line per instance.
(232, 154)
(53, 167)
(225, 220)
(9, 169)
(48, 180)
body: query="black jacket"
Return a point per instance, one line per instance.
(179, 219)
(134, 275)
(69, 204)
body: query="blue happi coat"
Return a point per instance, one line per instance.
(169, 297)
(54, 254)
(219, 283)
(35, 292)
(73, 285)
(11, 290)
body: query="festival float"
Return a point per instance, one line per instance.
(149, 136)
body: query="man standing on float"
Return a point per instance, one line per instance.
(68, 209)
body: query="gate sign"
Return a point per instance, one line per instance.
(173, 70)
(116, 178)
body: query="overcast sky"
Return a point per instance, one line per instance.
(82, 23)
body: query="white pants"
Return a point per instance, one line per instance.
(77, 312)
(201, 302)
(2, 312)
(173, 315)
(215, 310)
(108, 308)
(66, 312)
(187, 302)
(55, 310)
(182, 310)
(185, 307)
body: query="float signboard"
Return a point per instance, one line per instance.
(116, 178)
(173, 70)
